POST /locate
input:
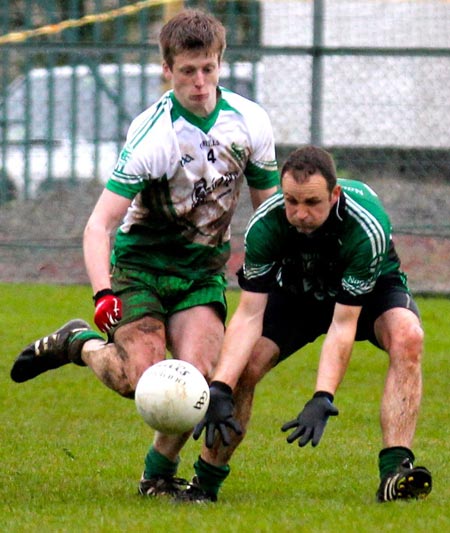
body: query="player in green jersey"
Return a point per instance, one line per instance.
(172, 196)
(319, 260)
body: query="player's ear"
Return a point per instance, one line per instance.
(167, 72)
(335, 193)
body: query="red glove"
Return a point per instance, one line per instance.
(108, 310)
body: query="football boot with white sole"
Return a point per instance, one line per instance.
(49, 352)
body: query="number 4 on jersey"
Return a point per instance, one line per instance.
(211, 157)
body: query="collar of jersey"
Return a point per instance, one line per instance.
(203, 123)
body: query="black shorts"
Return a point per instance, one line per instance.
(292, 321)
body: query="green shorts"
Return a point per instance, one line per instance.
(160, 296)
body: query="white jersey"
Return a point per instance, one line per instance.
(184, 175)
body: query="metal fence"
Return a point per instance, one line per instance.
(367, 79)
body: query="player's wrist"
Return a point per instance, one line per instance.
(100, 294)
(223, 387)
(324, 394)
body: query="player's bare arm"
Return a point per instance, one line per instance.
(244, 330)
(242, 333)
(334, 358)
(106, 216)
(337, 348)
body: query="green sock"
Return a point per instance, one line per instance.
(157, 464)
(76, 343)
(85, 336)
(209, 476)
(390, 458)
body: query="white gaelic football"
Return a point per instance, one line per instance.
(172, 396)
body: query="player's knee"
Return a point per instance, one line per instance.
(206, 365)
(408, 346)
(263, 358)
(247, 380)
(414, 341)
(252, 374)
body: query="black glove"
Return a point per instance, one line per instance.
(311, 422)
(219, 415)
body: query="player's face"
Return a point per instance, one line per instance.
(194, 77)
(308, 203)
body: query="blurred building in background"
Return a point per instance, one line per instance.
(367, 79)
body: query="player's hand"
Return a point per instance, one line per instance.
(108, 310)
(219, 416)
(310, 423)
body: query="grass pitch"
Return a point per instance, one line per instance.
(72, 451)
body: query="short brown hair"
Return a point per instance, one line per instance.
(191, 29)
(308, 160)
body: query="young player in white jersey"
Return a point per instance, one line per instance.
(187, 172)
(171, 196)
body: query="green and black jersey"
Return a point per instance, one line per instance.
(184, 175)
(342, 260)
